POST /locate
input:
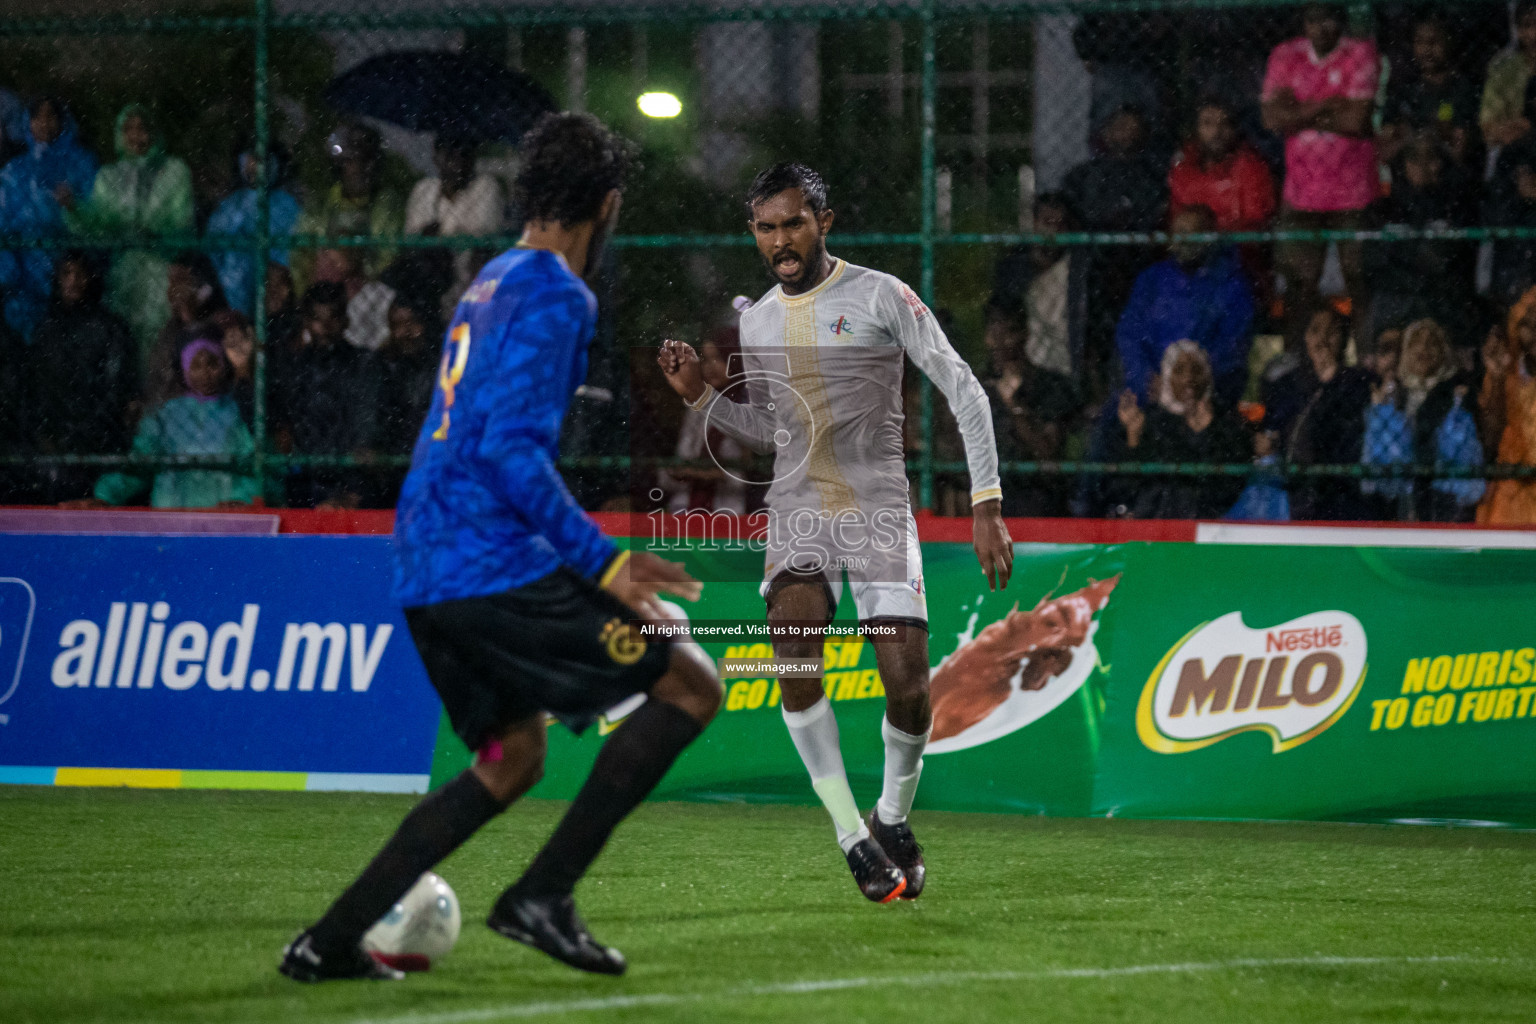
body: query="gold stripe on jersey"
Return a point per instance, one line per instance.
(800, 336)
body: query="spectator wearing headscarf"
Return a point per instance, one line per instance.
(204, 420)
(1508, 401)
(1200, 293)
(36, 188)
(408, 367)
(238, 215)
(1422, 412)
(146, 192)
(285, 328)
(1185, 424)
(83, 378)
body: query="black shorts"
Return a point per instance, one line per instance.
(560, 644)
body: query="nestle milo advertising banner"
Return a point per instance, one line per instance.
(1162, 680)
(1319, 682)
(1018, 690)
(1140, 679)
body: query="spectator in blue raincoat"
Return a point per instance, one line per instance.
(1199, 293)
(35, 190)
(1423, 412)
(236, 215)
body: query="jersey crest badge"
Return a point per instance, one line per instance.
(623, 642)
(919, 310)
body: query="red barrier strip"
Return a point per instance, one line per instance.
(953, 529)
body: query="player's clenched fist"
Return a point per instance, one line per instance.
(680, 363)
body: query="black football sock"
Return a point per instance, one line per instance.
(435, 828)
(628, 767)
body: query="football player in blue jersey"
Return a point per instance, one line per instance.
(517, 602)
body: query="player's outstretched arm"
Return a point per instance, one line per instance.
(680, 365)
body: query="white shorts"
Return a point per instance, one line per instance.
(886, 585)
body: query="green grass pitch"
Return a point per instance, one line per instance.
(129, 906)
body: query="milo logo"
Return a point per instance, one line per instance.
(1293, 681)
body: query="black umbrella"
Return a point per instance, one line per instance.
(444, 93)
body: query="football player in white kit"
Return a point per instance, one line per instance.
(822, 356)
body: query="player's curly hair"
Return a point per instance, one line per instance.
(570, 162)
(788, 175)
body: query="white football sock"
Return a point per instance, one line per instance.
(814, 732)
(903, 767)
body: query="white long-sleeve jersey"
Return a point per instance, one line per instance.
(823, 373)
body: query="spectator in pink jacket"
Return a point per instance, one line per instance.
(1319, 89)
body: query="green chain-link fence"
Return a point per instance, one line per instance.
(1010, 161)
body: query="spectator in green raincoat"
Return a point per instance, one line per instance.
(146, 191)
(359, 202)
(205, 420)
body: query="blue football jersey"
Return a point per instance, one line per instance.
(483, 508)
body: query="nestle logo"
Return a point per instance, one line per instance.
(1303, 639)
(1291, 680)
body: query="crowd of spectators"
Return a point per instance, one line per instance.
(1416, 354)
(149, 351)
(1380, 352)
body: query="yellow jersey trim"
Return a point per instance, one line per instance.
(614, 566)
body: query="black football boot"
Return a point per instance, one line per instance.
(302, 962)
(878, 878)
(551, 925)
(901, 846)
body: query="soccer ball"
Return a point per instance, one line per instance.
(420, 929)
